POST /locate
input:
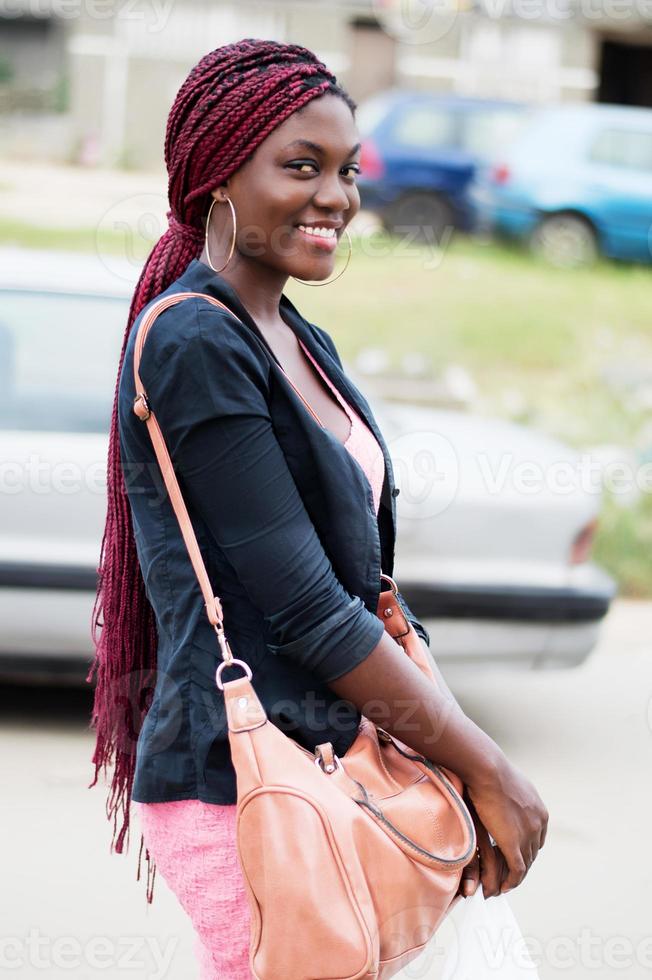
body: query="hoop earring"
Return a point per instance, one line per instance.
(348, 259)
(208, 221)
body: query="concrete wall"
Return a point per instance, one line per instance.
(126, 71)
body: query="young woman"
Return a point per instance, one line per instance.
(289, 485)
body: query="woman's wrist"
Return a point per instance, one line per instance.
(482, 760)
(487, 772)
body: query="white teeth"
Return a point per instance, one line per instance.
(322, 232)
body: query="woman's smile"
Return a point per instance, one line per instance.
(320, 237)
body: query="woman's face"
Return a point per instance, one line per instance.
(304, 172)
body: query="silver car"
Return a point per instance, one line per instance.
(495, 575)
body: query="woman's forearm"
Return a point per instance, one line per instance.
(390, 690)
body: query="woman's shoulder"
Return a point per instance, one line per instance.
(193, 327)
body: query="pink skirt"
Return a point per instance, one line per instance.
(193, 844)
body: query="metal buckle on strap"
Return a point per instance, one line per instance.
(388, 578)
(234, 662)
(141, 406)
(225, 649)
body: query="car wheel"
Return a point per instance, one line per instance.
(424, 217)
(565, 240)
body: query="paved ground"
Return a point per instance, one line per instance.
(70, 909)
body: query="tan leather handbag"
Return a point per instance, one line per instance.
(351, 864)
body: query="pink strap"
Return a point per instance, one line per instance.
(306, 402)
(144, 413)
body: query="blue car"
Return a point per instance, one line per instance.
(575, 183)
(419, 155)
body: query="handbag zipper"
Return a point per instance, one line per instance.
(459, 802)
(461, 806)
(449, 862)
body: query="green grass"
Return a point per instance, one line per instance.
(533, 336)
(69, 239)
(624, 544)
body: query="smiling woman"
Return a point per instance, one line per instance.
(261, 149)
(288, 213)
(290, 497)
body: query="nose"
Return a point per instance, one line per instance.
(331, 194)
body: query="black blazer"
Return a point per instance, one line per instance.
(285, 520)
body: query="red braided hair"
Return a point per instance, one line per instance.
(231, 100)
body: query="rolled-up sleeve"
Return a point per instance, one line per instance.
(210, 397)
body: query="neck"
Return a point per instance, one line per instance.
(258, 286)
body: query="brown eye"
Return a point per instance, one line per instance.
(297, 166)
(306, 163)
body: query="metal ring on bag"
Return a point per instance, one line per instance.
(338, 764)
(388, 578)
(230, 663)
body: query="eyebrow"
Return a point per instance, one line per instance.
(309, 145)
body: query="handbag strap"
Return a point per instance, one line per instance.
(143, 411)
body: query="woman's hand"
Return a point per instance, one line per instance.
(506, 805)
(508, 808)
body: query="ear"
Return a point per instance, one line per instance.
(220, 193)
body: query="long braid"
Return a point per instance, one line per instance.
(231, 100)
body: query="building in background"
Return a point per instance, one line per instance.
(92, 82)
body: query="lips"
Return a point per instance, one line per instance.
(321, 223)
(322, 231)
(321, 241)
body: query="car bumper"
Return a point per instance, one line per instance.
(523, 646)
(508, 603)
(466, 622)
(511, 623)
(46, 613)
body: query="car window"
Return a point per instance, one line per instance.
(623, 147)
(489, 131)
(424, 126)
(59, 360)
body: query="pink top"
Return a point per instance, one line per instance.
(360, 442)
